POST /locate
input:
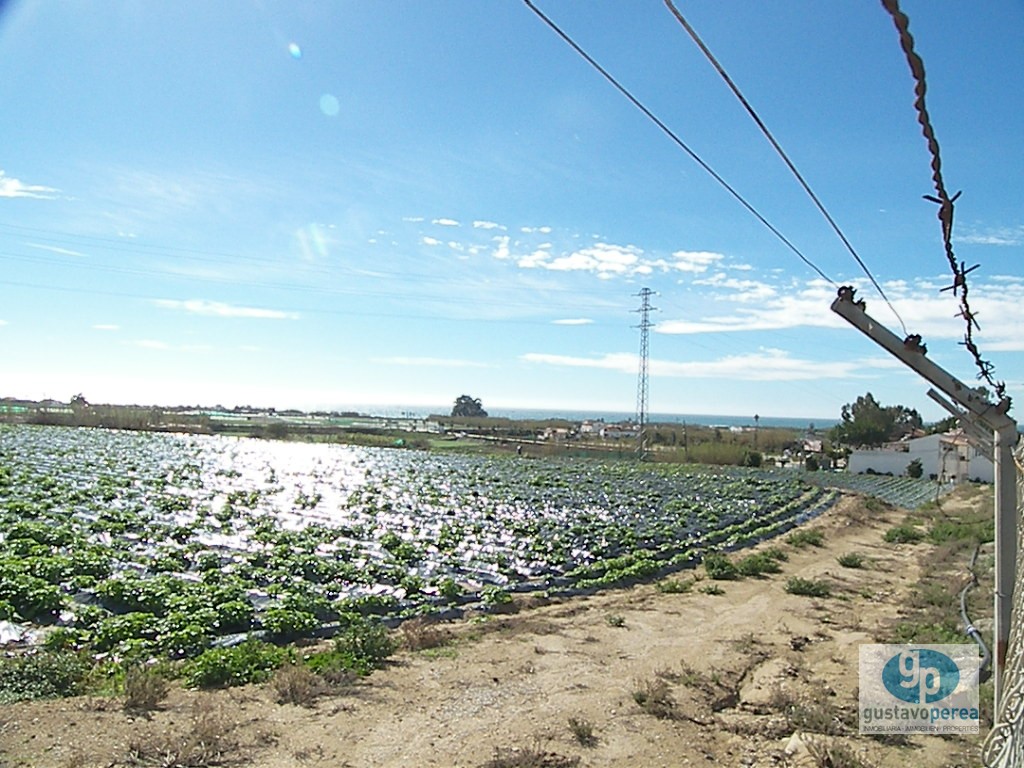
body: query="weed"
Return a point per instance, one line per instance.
(529, 757)
(145, 688)
(616, 620)
(834, 755)
(851, 560)
(712, 589)
(796, 585)
(207, 741)
(903, 534)
(675, 586)
(296, 684)
(655, 698)
(747, 643)
(583, 731)
(805, 537)
(419, 634)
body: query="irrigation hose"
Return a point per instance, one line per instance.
(985, 669)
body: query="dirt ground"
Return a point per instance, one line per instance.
(751, 677)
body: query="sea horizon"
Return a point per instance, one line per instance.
(579, 415)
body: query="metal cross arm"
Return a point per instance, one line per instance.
(979, 412)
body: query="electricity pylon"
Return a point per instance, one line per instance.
(642, 385)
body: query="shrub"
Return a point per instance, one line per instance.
(361, 647)
(675, 586)
(803, 537)
(42, 676)
(655, 698)
(144, 689)
(808, 587)
(583, 731)
(851, 560)
(903, 534)
(252, 661)
(720, 567)
(757, 564)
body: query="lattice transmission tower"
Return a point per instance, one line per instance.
(642, 383)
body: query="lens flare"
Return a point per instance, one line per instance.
(294, 50)
(330, 105)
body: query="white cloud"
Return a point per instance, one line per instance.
(763, 365)
(220, 309)
(487, 225)
(433, 362)
(106, 327)
(573, 321)
(694, 261)
(413, 219)
(602, 259)
(502, 251)
(11, 187)
(997, 236)
(744, 290)
(446, 222)
(55, 249)
(431, 241)
(3, 323)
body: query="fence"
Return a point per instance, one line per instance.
(1004, 745)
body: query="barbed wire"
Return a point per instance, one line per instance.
(986, 370)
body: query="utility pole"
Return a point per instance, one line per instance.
(978, 415)
(642, 385)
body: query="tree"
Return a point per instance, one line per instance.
(468, 406)
(867, 422)
(915, 468)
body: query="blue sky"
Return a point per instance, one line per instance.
(320, 204)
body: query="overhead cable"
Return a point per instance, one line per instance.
(678, 141)
(781, 152)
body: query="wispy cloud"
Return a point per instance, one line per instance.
(150, 344)
(487, 225)
(3, 322)
(432, 362)
(763, 365)
(573, 321)
(220, 309)
(431, 241)
(106, 327)
(55, 249)
(446, 222)
(997, 236)
(11, 187)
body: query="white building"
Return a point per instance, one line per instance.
(948, 457)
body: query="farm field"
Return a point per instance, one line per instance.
(141, 543)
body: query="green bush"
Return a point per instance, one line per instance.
(851, 560)
(42, 676)
(803, 537)
(808, 587)
(720, 567)
(252, 661)
(903, 534)
(757, 564)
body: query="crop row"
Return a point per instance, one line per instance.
(136, 544)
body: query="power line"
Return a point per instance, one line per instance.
(678, 141)
(779, 150)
